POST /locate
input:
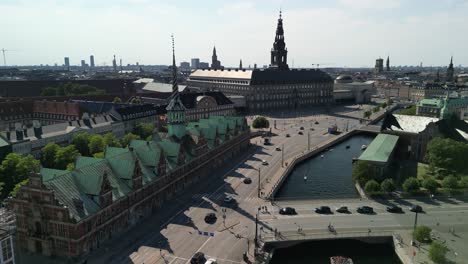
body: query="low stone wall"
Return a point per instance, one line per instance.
(361, 191)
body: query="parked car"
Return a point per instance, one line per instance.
(287, 135)
(316, 122)
(394, 209)
(323, 210)
(342, 209)
(198, 258)
(210, 218)
(278, 149)
(287, 211)
(247, 180)
(211, 261)
(300, 133)
(416, 208)
(264, 162)
(301, 128)
(365, 210)
(228, 199)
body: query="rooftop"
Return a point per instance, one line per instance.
(380, 148)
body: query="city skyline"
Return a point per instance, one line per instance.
(336, 34)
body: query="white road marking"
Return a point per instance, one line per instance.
(201, 247)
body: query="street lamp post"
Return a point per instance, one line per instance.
(256, 232)
(258, 182)
(282, 156)
(308, 140)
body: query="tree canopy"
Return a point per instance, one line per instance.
(14, 170)
(128, 138)
(143, 130)
(448, 154)
(65, 156)
(260, 122)
(411, 185)
(422, 233)
(68, 89)
(81, 141)
(437, 252)
(372, 187)
(361, 172)
(388, 185)
(96, 144)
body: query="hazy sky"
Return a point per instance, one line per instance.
(328, 32)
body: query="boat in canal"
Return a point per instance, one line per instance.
(363, 147)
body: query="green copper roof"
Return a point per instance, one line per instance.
(121, 161)
(48, 174)
(431, 102)
(380, 148)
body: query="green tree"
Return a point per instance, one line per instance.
(135, 101)
(65, 156)
(260, 122)
(361, 172)
(81, 142)
(430, 184)
(143, 130)
(117, 100)
(111, 141)
(96, 144)
(128, 138)
(422, 233)
(447, 154)
(450, 182)
(15, 169)
(367, 114)
(388, 185)
(70, 166)
(48, 155)
(437, 252)
(48, 91)
(463, 182)
(372, 187)
(376, 109)
(99, 155)
(411, 185)
(384, 105)
(17, 187)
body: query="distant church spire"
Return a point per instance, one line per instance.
(175, 87)
(388, 63)
(215, 63)
(450, 71)
(279, 59)
(240, 65)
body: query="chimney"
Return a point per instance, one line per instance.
(25, 131)
(19, 132)
(37, 129)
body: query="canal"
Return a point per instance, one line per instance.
(328, 173)
(321, 251)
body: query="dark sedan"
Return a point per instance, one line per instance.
(416, 208)
(323, 210)
(365, 210)
(287, 211)
(394, 209)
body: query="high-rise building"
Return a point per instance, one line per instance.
(215, 63)
(114, 64)
(203, 65)
(185, 65)
(67, 63)
(91, 61)
(195, 63)
(450, 71)
(388, 63)
(83, 65)
(378, 65)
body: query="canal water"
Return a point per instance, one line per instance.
(319, 252)
(328, 176)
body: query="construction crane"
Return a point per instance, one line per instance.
(4, 57)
